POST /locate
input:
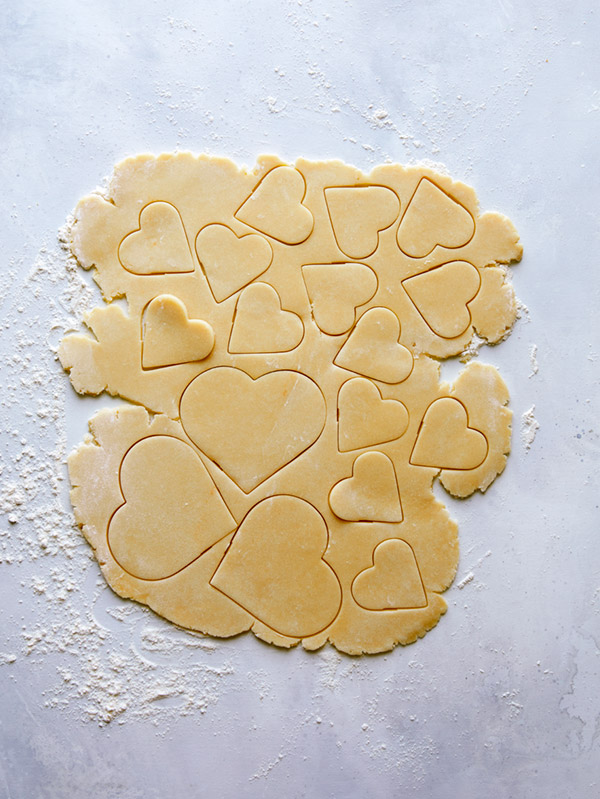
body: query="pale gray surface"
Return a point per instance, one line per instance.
(501, 699)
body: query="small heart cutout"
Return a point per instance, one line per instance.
(335, 291)
(159, 246)
(260, 324)
(358, 214)
(172, 513)
(275, 207)
(274, 568)
(252, 428)
(230, 262)
(445, 441)
(373, 348)
(371, 494)
(365, 419)
(433, 219)
(442, 296)
(393, 582)
(170, 337)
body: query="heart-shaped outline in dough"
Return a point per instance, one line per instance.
(276, 206)
(445, 438)
(159, 246)
(252, 427)
(170, 337)
(379, 587)
(260, 325)
(359, 214)
(230, 262)
(365, 418)
(442, 296)
(172, 512)
(335, 291)
(370, 494)
(433, 219)
(274, 568)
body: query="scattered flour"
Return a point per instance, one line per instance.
(529, 428)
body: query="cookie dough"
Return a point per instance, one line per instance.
(271, 467)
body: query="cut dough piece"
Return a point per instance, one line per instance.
(261, 325)
(358, 214)
(170, 337)
(275, 570)
(446, 441)
(433, 218)
(365, 419)
(229, 261)
(172, 512)
(374, 350)
(335, 292)
(442, 296)
(393, 581)
(275, 207)
(159, 246)
(371, 494)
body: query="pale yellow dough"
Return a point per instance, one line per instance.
(272, 469)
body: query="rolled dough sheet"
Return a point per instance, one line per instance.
(272, 466)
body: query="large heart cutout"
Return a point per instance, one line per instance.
(365, 419)
(373, 348)
(275, 206)
(358, 214)
(172, 512)
(442, 296)
(393, 582)
(229, 261)
(274, 568)
(433, 218)
(335, 291)
(261, 325)
(371, 494)
(170, 337)
(445, 440)
(159, 246)
(252, 428)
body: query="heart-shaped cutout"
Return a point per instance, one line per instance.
(274, 568)
(159, 246)
(252, 428)
(442, 296)
(433, 218)
(358, 214)
(170, 337)
(373, 348)
(445, 440)
(335, 291)
(275, 207)
(230, 262)
(371, 494)
(172, 513)
(261, 325)
(393, 582)
(365, 419)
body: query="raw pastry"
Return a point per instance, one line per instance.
(272, 466)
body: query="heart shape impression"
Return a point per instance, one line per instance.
(358, 214)
(159, 246)
(433, 218)
(170, 337)
(275, 207)
(445, 440)
(252, 428)
(170, 515)
(365, 419)
(274, 568)
(373, 348)
(261, 325)
(371, 494)
(442, 296)
(335, 291)
(230, 262)
(393, 581)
